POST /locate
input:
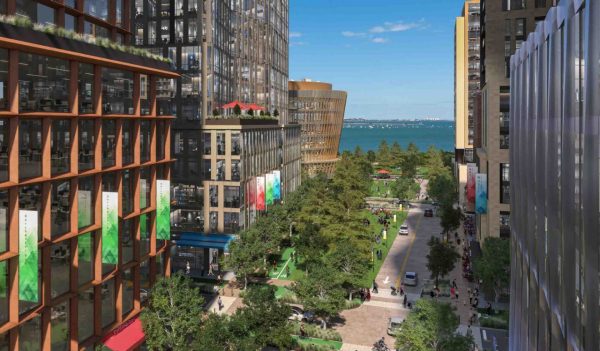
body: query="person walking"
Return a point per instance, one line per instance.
(456, 294)
(452, 292)
(188, 268)
(404, 301)
(375, 290)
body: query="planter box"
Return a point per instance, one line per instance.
(50, 40)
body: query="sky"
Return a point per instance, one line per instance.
(395, 58)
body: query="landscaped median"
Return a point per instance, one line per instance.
(316, 339)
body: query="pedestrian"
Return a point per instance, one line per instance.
(401, 289)
(432, 294)
(404, 301)
(456, 293)
(375, 290)
(220, 303)
(187, 268)
(454, 283)
(452, 292)
(368, 295)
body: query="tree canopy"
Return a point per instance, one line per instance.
(441, 259)
(493, 266)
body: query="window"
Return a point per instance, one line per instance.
(30, 148)
(206, 138)
(504, 224)
(235, 144)
(231, 222)
(85, 314)
(127, 241)
(144, 281)
(59, 319)
(60, 268)
(505, 183)
(213, 194)
(119, 12)
(213, 221)
(160, 140)
(207, 169)
(3, 295)
(540, 3)
(127, 192)
(178, 7)
(232, 196)
(45, 15)
(3, 79)
(26, 306)
(85, 254)
(145, 226)
(127, 141)
(86, 88)
(145, 140)
(43, 83)
(60, 145)
(220, 143)
(165, 92)
(127, 281)
(520, 28)
(144, 94)
(87, 144)
(108, 303)
(507, 48)
(61, 208)
(192, 30)
(179, 30)
(85, 202)
(145, 187)
(235, 170)
(220, 169)
(160, 265)
(109, 142)
(4, 146)
(117, 91)
(31, 334)
(96, 8)
(4, 218)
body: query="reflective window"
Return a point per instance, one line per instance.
(4, 220)
(86, 88)
(31, 334)
(231, 222)
(61, 208)
(232, 196)
(145, 187)
(69, 22)
(145, 227)
(3, 294)
(85, 198)
(96, 8)
(127, 280)
(85, 314)
(60, 145)
(160, 140)
(220, 169)
(235, 144)
(85, 255)
(220, 143)
(127, 241)
(127, 141)
(144, 281)
(60, 268)
(30, 198)
(505, 183)
(213, 193)
(235, 170)
(207, 169)
(165, 92)
(117, 91)
(144, 94)
(192, 30)
(3, 79)
(145, 140)
(160, 265)
(108, 303)
(59, 319)
(119, 12)
(43, 83)
(127, 192)
(206, 137)
(4, 146)
(109, 182)
(30, 148)
(87, 144)
(45, 15)
(213, 221)
(109, 142)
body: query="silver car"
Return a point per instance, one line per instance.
(403, 230)
(411, 279)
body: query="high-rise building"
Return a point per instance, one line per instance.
(505, 25)
(555, 269)
(84, 145)
(228, 53)
(466, 90)
(320, 111)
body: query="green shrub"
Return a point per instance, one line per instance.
(353, 304)
(314, 331)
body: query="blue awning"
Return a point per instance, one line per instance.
(205, 241)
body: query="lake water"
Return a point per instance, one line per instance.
(423, 134)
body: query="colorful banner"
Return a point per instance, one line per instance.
(269, 179)
(260, 193)
(163, 209)
(28, 256)
(470, 191)
(110, 227)
(84, 208)
(277, 185)
(481, 193)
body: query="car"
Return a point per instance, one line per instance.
(403, 230)
(394, 325)
(411, 279)
(299, 315)
(428, 212)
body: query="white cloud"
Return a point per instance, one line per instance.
(389, 27)
(295, 34)
(353, 34)
(378, 40)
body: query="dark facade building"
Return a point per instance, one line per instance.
(81, 116)
(320, 111)
(505, 25)
(555, 262)
(225, 51)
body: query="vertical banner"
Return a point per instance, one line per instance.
(163, 209)
(84, 208)
(110, 227)
(470, 191)
(277, 185)
(481, 193)
(28, 256)
(260, 193)
(269, 179)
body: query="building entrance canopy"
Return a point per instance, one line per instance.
(211, 241)
(126, 337)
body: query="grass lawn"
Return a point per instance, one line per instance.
(392, 232)
(380, 187)
(330, 344)
(285, 261)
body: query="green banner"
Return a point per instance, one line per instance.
(28, 256)
(85, 247)
(84, 208)
(269, 188)
(144, 227)
(3, 278)
(110, 227)
(163, 210)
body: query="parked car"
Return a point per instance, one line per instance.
(298, 314)
(394, 325)
(411, 279)
(428, 212)
(403, 230)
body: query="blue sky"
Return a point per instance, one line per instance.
(394, 57)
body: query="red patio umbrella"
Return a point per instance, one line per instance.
(232, 105)
(255, 107)
(383, 171)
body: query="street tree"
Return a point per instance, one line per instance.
(173, 315)
(321, 291)
(449, 217)
(405, 188)
(441, 259)
(493, 266)
(431, 326)
(310, 244)
(352, 263)
(442, 187)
